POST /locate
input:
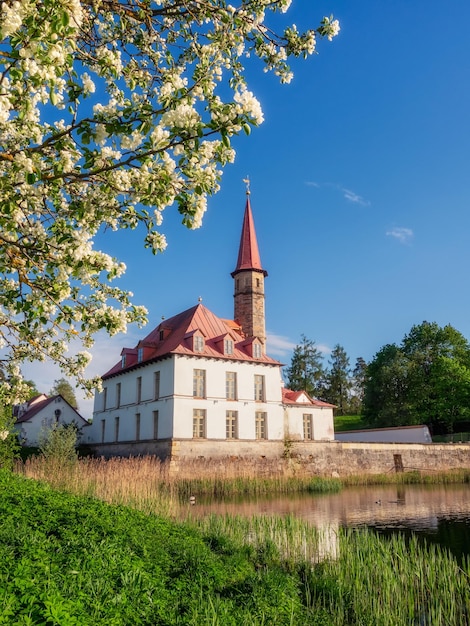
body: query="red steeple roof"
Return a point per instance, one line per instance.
(248, 254)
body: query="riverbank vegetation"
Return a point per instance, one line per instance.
(145, 483)
(68, 559)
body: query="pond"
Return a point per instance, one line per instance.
(437, 513)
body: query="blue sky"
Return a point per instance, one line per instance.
(359, 190)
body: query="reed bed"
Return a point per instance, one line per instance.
(146, 484)
(391, 582)
(411, 477)
(287, 538)
(141, 483)
(354, 576)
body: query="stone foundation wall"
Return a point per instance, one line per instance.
(229, 459)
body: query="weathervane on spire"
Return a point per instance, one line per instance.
(247, 183)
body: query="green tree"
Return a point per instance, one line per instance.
(306, 371)
(386, 390)
(338, 380)
(64, 388)
(58, 445)
(32, 390)
(424, 380)
(9, 444)
(358, 386)
(111, 112)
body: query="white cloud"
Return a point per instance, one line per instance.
(402, 234)
(323, 349)
(351, 196)
(279, 345)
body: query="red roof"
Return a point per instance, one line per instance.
(248, 253)
(36, 404)
(176, 336)
(292, 397)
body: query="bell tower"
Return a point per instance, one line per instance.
(249, 281)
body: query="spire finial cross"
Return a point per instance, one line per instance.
(247, 183)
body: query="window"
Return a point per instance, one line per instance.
(259, 388)
(156, 385)
(228, 346)
(256, 351)
(308, 426)
(231, 421)
(116, 429)
(258, 282)
(139, 389)
(155, 424)
(105, 397)
(198, 343)
(231, 385)
(199, 423)
(137, 426)
(199, 383)
(103, 428)
(118, 395)
(123, 360)
(140, 355)
(260, 425)
(161, 335)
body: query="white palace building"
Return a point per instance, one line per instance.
(201, 386)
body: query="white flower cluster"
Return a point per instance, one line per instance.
(108, 116)
(249, 105)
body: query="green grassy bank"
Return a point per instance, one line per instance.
(73, 560)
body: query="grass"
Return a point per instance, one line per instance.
(349, 422)
(73, 560)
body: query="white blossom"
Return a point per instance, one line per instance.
(107, 118)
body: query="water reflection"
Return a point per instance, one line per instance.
(439, 513)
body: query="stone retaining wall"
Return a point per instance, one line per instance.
(227, 459)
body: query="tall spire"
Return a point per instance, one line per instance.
(248, 253)
(249, 280)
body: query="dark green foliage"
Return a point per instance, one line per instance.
(63, 388)
(69, 560)
(424, 380)
(358, 385)
(306, 371)
(9, 444)
(338, 380)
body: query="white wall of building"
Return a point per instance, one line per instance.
(176, 403)
(30, 432)
(321, 420)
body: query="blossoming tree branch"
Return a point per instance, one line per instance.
(110, 112)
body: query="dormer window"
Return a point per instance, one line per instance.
(198, 343)
(123, 361)
(160, 335)
(256, 351)
(140, 355)
(228, 346)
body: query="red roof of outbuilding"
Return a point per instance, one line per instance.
(36, 404)
(175, 336)
(248, 253)
(292, 397)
